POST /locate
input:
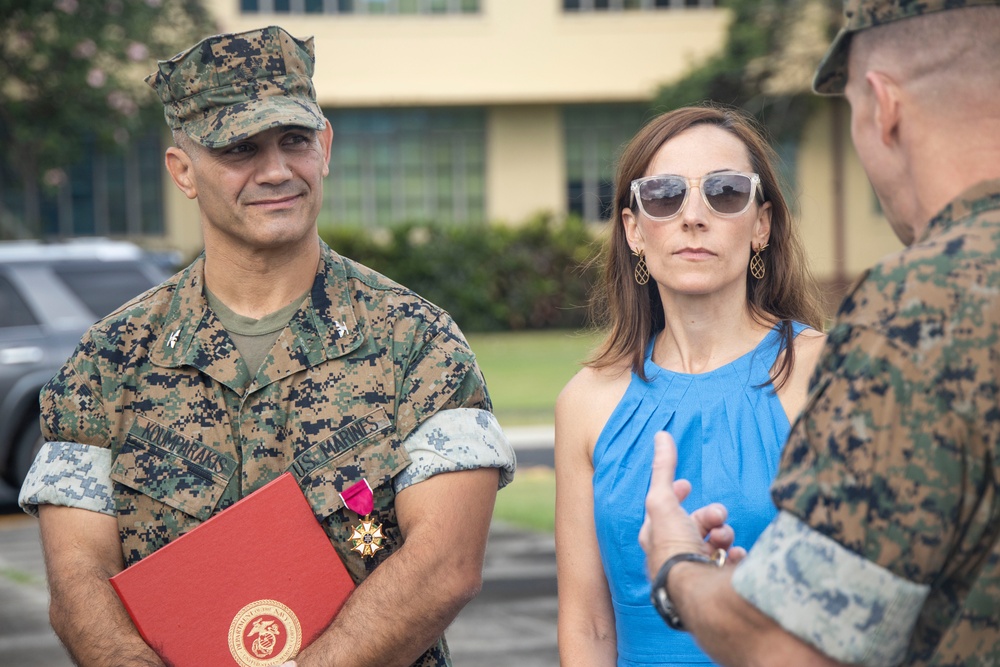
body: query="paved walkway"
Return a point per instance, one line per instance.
(511, 624)
(26, 640)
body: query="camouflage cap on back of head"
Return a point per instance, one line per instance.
(831, 76)
(229, 87)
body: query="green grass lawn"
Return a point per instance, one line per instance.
(525, 371)
(530, 500)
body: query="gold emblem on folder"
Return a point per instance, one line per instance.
(264, 633)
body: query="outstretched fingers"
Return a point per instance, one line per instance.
(667, 529)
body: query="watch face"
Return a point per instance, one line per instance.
(658, 596)
(666, 610)
(660, 599)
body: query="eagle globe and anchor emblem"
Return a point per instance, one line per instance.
(264, 633)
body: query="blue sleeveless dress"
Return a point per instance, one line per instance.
(729, 434)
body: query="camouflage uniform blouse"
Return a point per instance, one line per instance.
(886, 549)
(359, 367)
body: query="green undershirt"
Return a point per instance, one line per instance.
(253, 338)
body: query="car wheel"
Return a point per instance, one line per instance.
(26, 448)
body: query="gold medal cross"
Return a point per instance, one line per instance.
(367, 537)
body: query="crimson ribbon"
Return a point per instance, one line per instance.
(358, 497)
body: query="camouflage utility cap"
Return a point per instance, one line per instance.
(229, 87)
(831, 76)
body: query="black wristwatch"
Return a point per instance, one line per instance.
(659, 597)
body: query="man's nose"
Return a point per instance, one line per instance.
(272, 165)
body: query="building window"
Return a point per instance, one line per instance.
(788, 158)
(103, 195)
(595, 135)
(390, 166)
(618, 5)
(362, 7)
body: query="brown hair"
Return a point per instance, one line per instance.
(633, 313)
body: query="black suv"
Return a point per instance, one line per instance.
(49, 295)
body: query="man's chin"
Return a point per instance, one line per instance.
(903, 231)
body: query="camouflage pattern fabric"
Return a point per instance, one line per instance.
(229, 87)
(895, 456)
(74, 475)
(453, 440)
(831, 75)
(843, 604)
(360, 366)
(69, 474)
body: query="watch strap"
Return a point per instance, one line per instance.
(659, 596)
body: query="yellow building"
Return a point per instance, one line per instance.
(485, 110)
(471, 110)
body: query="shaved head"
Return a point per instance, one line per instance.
(941, 57)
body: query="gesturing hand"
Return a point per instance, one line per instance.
(667, 529)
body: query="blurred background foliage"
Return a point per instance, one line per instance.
(71, 71)
(490, 277)
(770, 51)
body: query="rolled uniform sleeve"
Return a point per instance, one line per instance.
(444, 414)
(71, 475)
(841, 603)
(872, 519)
(453, 440)
(73, 468)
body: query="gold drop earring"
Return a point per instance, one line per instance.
(641, 272)
(757, 268)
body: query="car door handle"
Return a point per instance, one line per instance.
(21, 355)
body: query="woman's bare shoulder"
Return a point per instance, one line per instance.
(591, 383)
(808, 346)
(587, 401)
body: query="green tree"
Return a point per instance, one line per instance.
(72, 70)
(766, 65)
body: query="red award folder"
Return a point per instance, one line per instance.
(250, 586)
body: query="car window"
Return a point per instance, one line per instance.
(14, 312)
(104, 286)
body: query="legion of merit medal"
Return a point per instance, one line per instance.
(367, 535)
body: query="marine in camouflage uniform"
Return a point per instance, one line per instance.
(886, 548)
(157, 418)
(888, 491)
(887, 545)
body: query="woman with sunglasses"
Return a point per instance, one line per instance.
(712, 321)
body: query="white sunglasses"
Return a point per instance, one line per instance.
(726, 193)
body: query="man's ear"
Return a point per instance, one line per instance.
(326, 141)
(886, 94)
(181, 169)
